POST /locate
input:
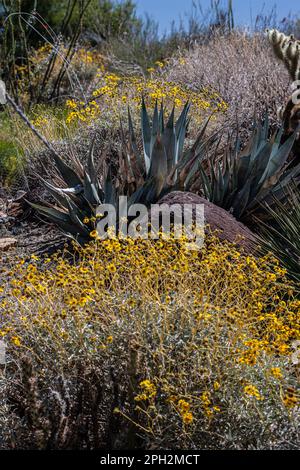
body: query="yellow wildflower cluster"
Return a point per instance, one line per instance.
(40, 121)
(84, 114)
(81, 57)
(252, 391)
(276, 373)
(208, 407)
(116, 92)
(184, 410)
(149, 391)
(290, 398)
(84, 63)
(199, 323)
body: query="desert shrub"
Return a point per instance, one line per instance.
(20, 31)
(240, 68)
(71, 72)
(281, 236)
(148, 344)
(113, 93)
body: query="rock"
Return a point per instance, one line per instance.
(217, 219)
(7, 243)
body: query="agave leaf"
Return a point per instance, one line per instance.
(134, 154)
(155, 123)
(276, 141)
(67, 173)
(109, 189)
(226, 177)
(256, 142)
(181, 127)
(90, 192)
(206, 185)
(51, 212)
(61, 219)
(91, 170)
(146, 135)
(243, 169)
(221, 181)
(153, 186)
(57, 193)
(265, 128)
(182, 119)
(161, 119)
(169, 141)
(218, 185)
(241, 200)
(277, 160)
(198, 145)
(190, 170)
(76, 215)
(258, 167)
(158, 167)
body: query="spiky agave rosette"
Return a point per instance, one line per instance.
(246, 179)
(163, 166)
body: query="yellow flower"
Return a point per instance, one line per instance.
(276, 372)
(149, 388)
(217, 386)
(183, 406)
(290, 399)
(187, 418)
(252, 391)
(205, 398)
(94, 234)
(71, 104)
(16, 340)
(111, 268)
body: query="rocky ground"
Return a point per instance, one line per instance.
(21, 232)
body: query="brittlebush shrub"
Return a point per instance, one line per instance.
(149, 344)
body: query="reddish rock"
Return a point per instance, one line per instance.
(217, 219)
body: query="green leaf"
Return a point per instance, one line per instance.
(68, 174)
(169, 141)
(146, 135)
(278, 159)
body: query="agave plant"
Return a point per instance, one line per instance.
(164, 165)
(282, 236)
(77, 198)
(243, 180)
(144, 177)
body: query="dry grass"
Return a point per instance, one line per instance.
(242, 69)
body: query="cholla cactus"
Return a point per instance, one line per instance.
(287, 49)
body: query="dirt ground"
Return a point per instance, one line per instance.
(22, 233)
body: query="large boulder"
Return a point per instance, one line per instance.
(216, 218)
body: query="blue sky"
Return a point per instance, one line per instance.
(164, 11)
